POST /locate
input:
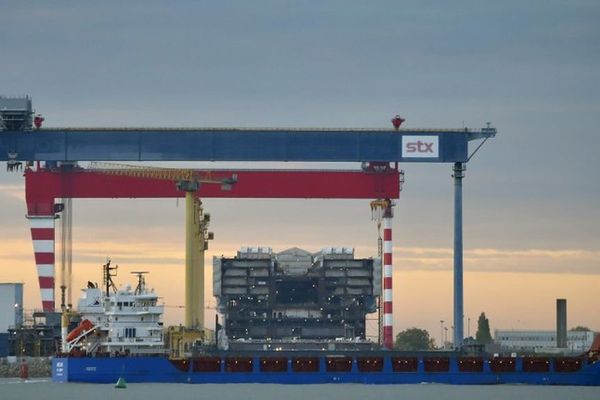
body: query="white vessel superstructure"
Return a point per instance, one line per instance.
(118, 321)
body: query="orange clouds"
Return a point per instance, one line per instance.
(510, 299)
(516, 288)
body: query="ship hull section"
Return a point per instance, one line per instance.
(162, 370)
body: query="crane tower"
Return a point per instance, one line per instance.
(196, 226)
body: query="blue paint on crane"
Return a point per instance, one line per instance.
(340, 145)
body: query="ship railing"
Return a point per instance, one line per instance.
(93, 346)
(83, 334)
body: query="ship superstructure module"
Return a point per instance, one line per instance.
(296, 300)
(292, 316)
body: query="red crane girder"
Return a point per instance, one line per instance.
(43, 186)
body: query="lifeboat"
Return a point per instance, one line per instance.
(84, 326)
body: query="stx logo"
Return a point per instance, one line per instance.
(420, 147)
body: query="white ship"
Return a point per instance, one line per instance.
(116, 321)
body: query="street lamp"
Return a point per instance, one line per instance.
(468, 326)
(441, 333)
(445, 336)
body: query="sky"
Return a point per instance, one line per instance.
(531, 195)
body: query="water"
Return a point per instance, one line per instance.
(44, 389)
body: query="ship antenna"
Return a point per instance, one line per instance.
(141, 286)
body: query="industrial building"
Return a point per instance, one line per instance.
(557, 341)
(38, 336)
(295, 298)
(11, 312)
(543, 341)
(16, 114)
(25, 333)
(11, 305)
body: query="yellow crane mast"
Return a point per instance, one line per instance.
(196, 225)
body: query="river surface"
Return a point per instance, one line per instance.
(43, 389)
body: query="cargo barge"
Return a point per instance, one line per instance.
(284, 323)
(315, 368)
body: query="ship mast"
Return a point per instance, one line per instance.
(108, 275)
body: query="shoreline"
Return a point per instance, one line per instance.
(39, 367)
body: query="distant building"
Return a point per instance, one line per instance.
(38, 336)
(25, 334)
(3, 345)
(11, 305)
(542, 341)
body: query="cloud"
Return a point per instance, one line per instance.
(164, 251)
(571, 261)
(544, 274)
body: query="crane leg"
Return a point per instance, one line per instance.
(42, 235)
(195, 227)
(199, 248)
(382, 211)
(190, 307)
(388, 321)
(459, 173)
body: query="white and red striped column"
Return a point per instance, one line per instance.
(388, 320)
(42, 235)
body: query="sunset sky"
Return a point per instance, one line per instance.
(531, 195)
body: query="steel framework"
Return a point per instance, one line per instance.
(233, 144)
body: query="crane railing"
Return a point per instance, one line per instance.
(174, 174)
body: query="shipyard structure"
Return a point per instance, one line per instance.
(295, 299)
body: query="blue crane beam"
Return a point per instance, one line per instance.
(230, 144)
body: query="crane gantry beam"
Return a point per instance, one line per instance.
(43, 186)
(235, 144)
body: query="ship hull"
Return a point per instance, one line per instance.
(161, 369)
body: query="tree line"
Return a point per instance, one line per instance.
(413, 339)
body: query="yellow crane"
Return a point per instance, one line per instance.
(196, 225)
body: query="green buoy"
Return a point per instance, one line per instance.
(121, 384)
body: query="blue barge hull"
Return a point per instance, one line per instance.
(449, 370)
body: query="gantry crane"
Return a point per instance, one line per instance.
(20, 142)
(196, 225)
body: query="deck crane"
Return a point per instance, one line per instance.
(196, 225)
